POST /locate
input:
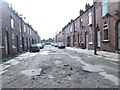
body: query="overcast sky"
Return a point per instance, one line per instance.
(48, 17)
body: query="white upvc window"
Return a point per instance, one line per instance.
(30, 32)
(12, 22)
(104, 7)
(24, 28)
(105, 32)
(0, 32)
(90, 35)
(75, 26)
(80, 23)
(89, 18)
(71, 28)
(20, 29)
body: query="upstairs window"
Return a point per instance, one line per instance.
(104, 7)
(89, 18)
(20, 26)
(24, 28)
(12, 22)
(71, 28)
(74, 26)
(81, 23)
(0, 33)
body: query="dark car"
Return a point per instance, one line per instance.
(34, 48)
(61, 45)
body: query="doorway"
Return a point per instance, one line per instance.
(6, 43)
(119, 35)
(98, 35)
(17, 44)
(86, 40)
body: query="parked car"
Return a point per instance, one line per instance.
(34, 48)
(41, 45)
(55, 44)
(61, 45)
(52, 44)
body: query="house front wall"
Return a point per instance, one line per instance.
(110, 44)
(85, 29)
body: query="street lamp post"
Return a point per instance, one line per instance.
(95, 31)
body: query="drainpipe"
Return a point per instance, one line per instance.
(95, 31)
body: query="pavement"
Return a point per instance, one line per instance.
(102, 54)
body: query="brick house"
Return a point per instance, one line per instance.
(16, 35)
(108, 21)
(81, 30)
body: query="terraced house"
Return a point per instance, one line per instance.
(15, 35)
(80, 31)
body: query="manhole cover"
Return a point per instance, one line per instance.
(92, 68)
(32, 72)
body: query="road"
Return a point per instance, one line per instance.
(59, 68)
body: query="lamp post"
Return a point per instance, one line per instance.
(95, 31)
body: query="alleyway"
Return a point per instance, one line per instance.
(59, 68)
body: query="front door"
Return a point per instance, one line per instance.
(86, 41)
(119, 36)
(98, 39)
(6, 42)
(17, 44)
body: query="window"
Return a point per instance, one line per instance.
(30, 32)
(71, 28)
(81, 23)
(24, 28)
(0, 33)
(12, 22)
(74, 26)
(104, 7)
(20, 26)
(89, 18)
(90, 35)
(105, 32)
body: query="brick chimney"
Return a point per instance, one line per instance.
(87, 6)
(81, 11)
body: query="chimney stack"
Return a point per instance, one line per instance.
(81, 11)
(87, 6)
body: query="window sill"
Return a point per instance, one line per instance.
(105, 41)
(2, 47)
(12, 28)
(90, 43)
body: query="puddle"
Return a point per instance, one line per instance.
(45, 53)
(82, 62)
(12, 62)
(57, 62)
(1, 72)
(92, 68)
(5, 67)
(50, 76)
(112, 78)
(32, 72)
